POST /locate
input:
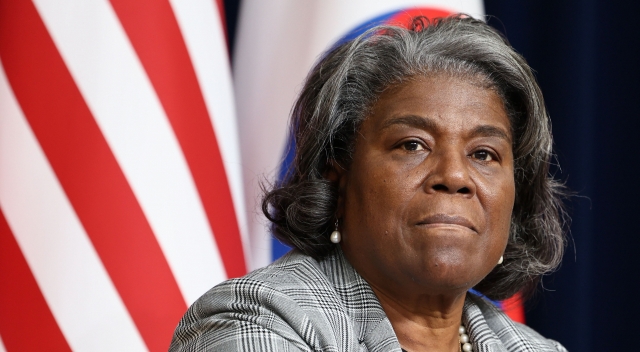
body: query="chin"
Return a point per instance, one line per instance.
(445, 275)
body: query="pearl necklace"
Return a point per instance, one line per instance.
(464, 340)
(465, 345)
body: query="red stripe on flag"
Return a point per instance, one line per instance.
(27, 323)
(156, 37)
(405, 17)
(514, 308)
(223, 20)
(89, 173)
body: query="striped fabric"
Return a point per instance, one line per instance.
(121, 195)
(300, 304)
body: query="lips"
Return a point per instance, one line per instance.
(444, 219)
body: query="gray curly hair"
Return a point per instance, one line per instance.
(346, 82)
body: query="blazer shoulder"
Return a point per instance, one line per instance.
(513, 335)
(289, 300)
(552, 345)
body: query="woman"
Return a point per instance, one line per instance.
(420, 172)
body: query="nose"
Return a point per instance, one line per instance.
(449, 173)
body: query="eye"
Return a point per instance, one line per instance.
(483, 155)
(412, 146)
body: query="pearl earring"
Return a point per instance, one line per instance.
(500, 260)
(335, 235)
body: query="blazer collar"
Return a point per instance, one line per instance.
(371, 324)
(374, 330)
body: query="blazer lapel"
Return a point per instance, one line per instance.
(370, 323)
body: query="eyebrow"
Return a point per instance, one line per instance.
(424, 123)
(429, 124)
(490, 131)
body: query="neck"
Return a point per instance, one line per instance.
(424, 322)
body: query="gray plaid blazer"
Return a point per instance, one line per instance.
(300, 304)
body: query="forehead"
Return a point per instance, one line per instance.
(447, 103)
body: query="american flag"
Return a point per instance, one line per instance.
(122, 191)
(121, 196)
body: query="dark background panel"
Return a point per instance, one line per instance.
(585, 54)
(232, 12)
(586, 57)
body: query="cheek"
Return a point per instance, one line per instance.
(498, 209)
(376, 194)
(497, 196)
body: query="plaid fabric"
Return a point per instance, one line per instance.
(300, 304)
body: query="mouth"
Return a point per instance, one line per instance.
(443, 220)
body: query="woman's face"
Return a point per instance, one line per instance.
(427, 200)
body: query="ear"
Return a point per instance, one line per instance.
(337, 175)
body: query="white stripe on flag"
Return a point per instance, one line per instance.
(335, 18)
(199, 22)
(267, 73)
(121, 98)
(2, 349)
(72, 279)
